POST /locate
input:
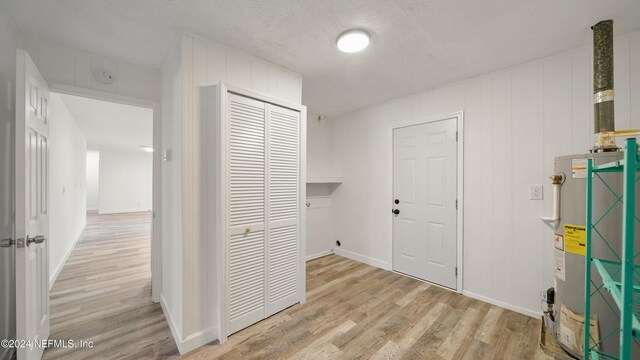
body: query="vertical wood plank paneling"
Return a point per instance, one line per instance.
(634, 80)
(198, 249)
(622, 83)
(556, 136)
(442, 101)
(526, 165)
(57, 64)
(581, 103)
(473, 188)
(273, 79)
(487, 177)
(288, 86)
(133, 81)
(260, 76)
(187, 190)
(216, 63)
(502, 186)
(239, 69)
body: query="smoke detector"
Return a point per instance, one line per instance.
(104, 76)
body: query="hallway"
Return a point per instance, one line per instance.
(103, 293)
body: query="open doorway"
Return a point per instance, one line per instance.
(101, 198)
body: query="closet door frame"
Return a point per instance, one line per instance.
(220, 159)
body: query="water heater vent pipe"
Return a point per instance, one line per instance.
(557, 181)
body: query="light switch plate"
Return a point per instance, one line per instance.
(536, 192)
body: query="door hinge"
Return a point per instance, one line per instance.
(456, 136)
(456, 271)
(456, 204)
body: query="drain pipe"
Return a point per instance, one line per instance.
(557, 181)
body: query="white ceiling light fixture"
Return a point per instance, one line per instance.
(146, 148)
(353, 40)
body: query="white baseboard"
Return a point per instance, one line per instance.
(363, 259)
(105, 212)
(54, 275)
(198, 339)
(533, 314)
(93, 209)
(177, 335)
(193, 341)
(320, 254)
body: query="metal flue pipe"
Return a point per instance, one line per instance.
(604, 120)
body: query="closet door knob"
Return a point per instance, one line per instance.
(247, 230)
(396, 211)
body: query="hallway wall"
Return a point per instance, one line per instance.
(93, 180)
(67, 184)
(126, 180)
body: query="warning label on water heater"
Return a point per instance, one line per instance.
(579, 168)
(575, 239)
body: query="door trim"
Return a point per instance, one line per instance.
(156, 228)
(459, 116)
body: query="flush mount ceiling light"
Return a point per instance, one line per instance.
(146, 148)
(353, 40)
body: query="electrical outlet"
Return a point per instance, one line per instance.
(535, 192)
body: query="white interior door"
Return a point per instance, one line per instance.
(424, 188)
(32, 206)
(247, 213)
(283, 203)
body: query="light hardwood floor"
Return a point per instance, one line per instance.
(103, 294)
(353, 311)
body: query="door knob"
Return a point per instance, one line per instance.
(396, 201)
(38, 239)
(396, 211)
(5, 243)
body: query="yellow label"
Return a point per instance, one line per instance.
(575, 239)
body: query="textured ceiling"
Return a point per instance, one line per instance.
(111, 126)
(416, 44)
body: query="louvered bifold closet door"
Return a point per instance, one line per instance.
(284, 206)
(246, 217)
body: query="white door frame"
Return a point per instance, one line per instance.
(156, 229)
(459, 116)
(217, 162)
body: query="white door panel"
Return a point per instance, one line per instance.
(284, 200)
(424, 178)
(32, 201)
(246, 257)
(264, 210)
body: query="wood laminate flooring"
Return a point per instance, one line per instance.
(103, 294)
(353, 311)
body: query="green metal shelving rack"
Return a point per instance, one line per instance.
(620, 278)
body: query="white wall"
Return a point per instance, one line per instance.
(62, 65)
(67, 184)
(200, 63)
(93, 180)
(171, 296)
(126, 180)
(7, 175)
(515, 122)
(320, 238)
(319, 151)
